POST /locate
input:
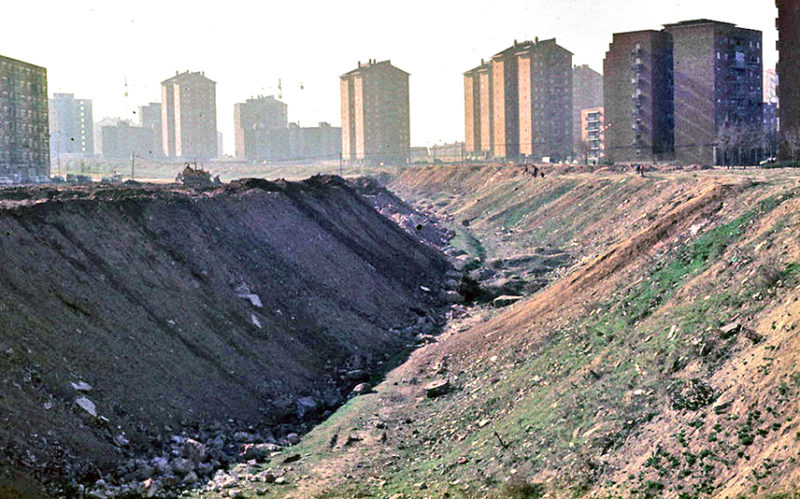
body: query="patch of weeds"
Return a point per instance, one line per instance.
(519, 488)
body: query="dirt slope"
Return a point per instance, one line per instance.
(183, 309)
(662, 364)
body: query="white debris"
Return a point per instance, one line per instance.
(82, 386)
(425, 288)
(253, 298)
(87, 405)
(255, 320)
(243, 291)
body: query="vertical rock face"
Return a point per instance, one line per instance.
(192, 306)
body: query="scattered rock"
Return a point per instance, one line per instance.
(730, 330)
(506, 300)
(194, 450)
(306, 406)
(361, 389)
(87, 405)
(438, 388)
(259, 451)
(82, 386)
(291, 459)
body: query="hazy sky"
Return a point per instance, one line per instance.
(90, 47)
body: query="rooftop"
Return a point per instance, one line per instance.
(373, 63)
(187, 75)
(4, 58)
(696, 22)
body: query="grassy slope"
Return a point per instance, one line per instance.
(617, 379)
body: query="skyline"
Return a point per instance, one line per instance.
(247, 49)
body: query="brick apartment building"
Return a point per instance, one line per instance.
(519, 105)
(24, 131)
(375, 114)
(253, 121)
(189, 116)
(789, 69)
(479, 111)
(637, 88)
(592, 133)
(587, 93)
(718, 74)
(71, 126)
(680, 92)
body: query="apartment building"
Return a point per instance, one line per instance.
(375, 114)
(24, 131)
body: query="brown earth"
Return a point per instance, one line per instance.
(664, 363)
(190, 309)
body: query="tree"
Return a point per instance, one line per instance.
(791, 141)
(584, 149)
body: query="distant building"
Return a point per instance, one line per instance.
(472, 111)
(479, 111)
(323, 142)
(505, 108)
(294, 143)
(71, 126)
(24, 132)
(770, 117)
(253, 121)
(587, 93)
(593, 133)
(519, 105)
(189, 116)
(375, 114)
(789, 74)
(692, 91)
(718, 86)
(120, 140)
(447, 153)
(770, 85)
(150, 118)
(638, 106)
(545, 101)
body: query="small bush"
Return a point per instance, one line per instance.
(519, 488)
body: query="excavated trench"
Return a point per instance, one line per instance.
(152, 335)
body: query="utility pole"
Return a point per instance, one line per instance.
(58, 151)
(341, 164)
(133, 166)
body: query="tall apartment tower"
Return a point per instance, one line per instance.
(587, 93)
(544, 86)
(718, 72)
(24, 132)
(150, 119)
(519, 104)
(375, 114)
(253, 122)
(479, 111)
(638, 92)
(189, 116)
(789, 68)
(505, 96)
(71, 126)
(472, 111)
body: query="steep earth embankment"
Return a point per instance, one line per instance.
(135, 317)
(663, 363)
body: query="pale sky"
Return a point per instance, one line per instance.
(90, 47)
